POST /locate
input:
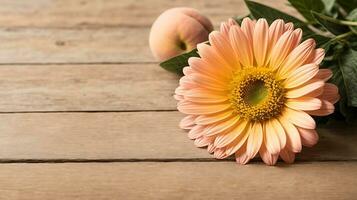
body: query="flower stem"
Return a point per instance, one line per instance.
(342, 36)
(348, 23)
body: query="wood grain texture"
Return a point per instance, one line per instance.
(130, 135)
(99, 13)
(37, 31)
(36, 45)
(330, 181)
(58, 56)
(29, 88)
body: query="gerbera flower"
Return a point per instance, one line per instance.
(253, 90)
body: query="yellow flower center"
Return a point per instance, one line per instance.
(256, 94)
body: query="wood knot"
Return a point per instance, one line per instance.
(60, 43)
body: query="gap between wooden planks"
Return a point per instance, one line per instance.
(219, 180)
(130, 136)
(94, 13)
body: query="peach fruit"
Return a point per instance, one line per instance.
(178, 30)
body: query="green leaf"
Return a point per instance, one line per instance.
(306, 6)
(349, 113)
(330, 24)
(353, 43)
(328, 5)
(348, 66)
(347, 5)
(258, 10)
(320, 40)
(176, 64)
(239, 19)
(352, 16)
(329, 46)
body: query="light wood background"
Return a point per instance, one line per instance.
(86, 113)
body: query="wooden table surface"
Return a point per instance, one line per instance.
(86, 113)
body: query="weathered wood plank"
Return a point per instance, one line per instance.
(115, 43)
(27, 88)
(130, 135)
(331, 180)
(23, 45)
(84, 13)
